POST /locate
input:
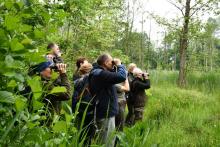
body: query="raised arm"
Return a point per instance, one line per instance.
(144, 84)
(111, 78)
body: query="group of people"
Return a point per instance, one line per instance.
(101, 92)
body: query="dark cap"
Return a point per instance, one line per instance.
(42, 66)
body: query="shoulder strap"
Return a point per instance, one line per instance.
(83, 90)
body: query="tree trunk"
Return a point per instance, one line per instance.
(183, 46)
(142, 40)
(148, 48)
(127, 31)
(211, 55)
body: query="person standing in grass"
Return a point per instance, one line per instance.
(120, 117)
(52, 100)
(82, 95)
(102, 86)
(131, 77)
(138, 97)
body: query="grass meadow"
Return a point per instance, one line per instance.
(178, 117)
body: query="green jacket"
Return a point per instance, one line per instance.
(53, 101)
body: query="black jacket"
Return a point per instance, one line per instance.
(102, 88)
(137, 93)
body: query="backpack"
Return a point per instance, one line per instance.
(82, 95)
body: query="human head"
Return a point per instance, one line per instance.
(44, 70)
(131, 67)
(54, 48)
(85, 68)
(80, 61)
(105, 61)
(137, 72)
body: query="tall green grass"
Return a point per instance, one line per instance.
(179, 117)
(207, 82)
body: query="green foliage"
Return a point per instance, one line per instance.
(36, 87)
(60, 126)
(81, 28)
(89, 28)
(58, 90)
(204, 82)
(6, 97)
(177, 117)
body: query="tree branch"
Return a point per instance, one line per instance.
(172, 3)
(162, 21)
(198, 8)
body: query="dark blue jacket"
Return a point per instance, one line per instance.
(102, 87)
(80, 85)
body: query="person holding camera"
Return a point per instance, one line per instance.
(138, 96)
(103, 77)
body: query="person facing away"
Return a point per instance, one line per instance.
(102, 86)
(138, 96)
(82, 96)
(79, 62)
(120, 117)
(52, 101)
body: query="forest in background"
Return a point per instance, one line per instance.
(88, 28)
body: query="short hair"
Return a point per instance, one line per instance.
(80, 61)
(50, 45)
(131, 67)
(137, 71)
(102, 58)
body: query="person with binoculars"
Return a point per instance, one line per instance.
(137, 96)
(52, 101)
(103, 77)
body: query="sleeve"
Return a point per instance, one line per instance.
(62, 96)
(74, 100)
(145, 84)
(111, 78)
(75, 95)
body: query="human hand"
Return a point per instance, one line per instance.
(61, 67)
(145, 75)
(117, 61)
(50, 57)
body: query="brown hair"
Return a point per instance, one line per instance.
(50, 45)
(80, 61)
(102, 58)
